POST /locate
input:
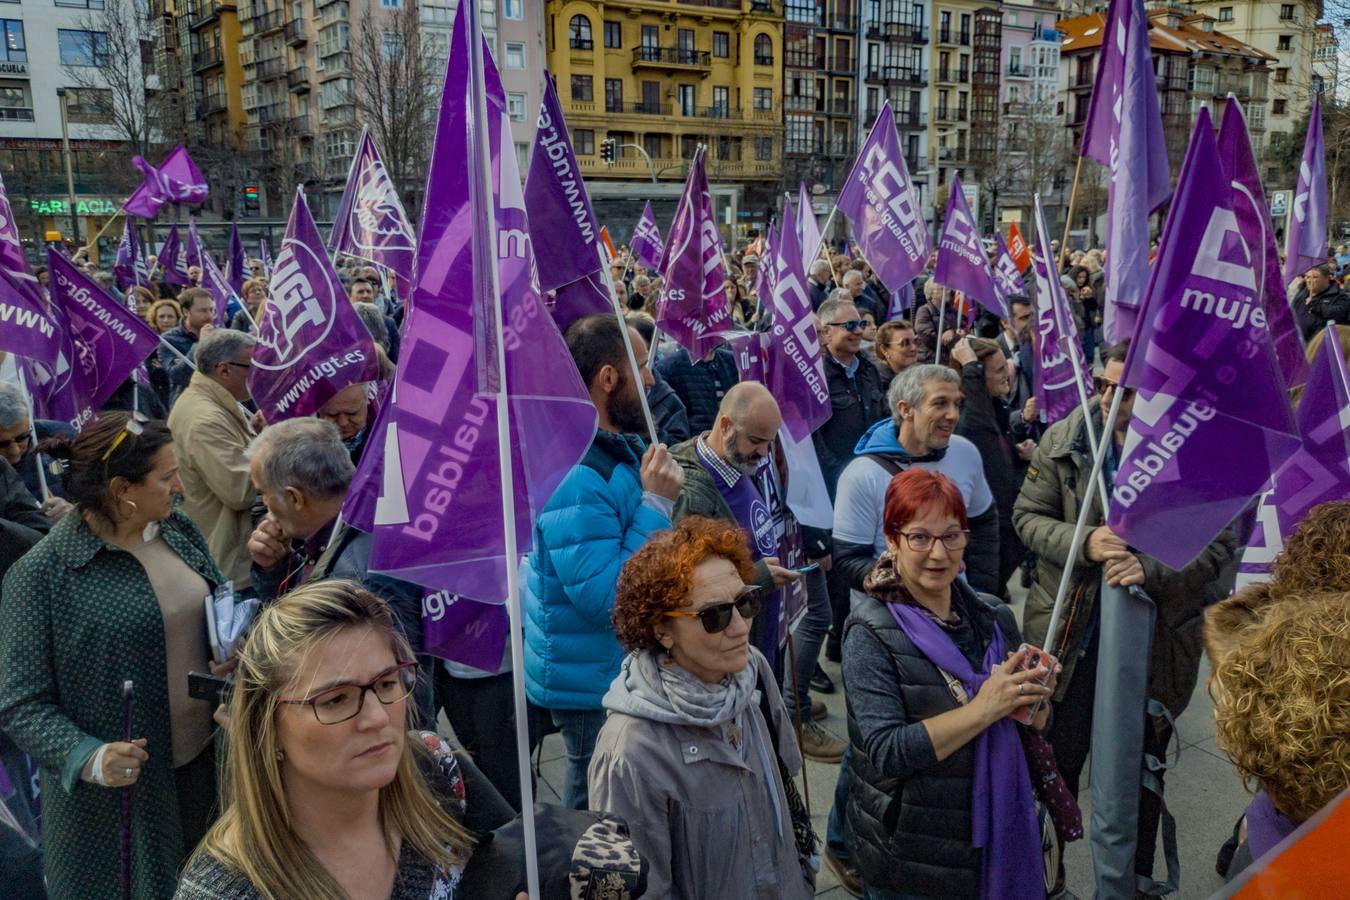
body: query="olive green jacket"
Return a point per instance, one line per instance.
(78, 617)
(700, 497)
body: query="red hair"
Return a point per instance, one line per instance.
(915, 491)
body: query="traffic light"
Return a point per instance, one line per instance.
(251, 198)
(608, 149)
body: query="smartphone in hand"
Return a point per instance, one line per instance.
(212, 688)
(1035, 659)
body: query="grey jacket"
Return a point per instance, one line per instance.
(702, 818)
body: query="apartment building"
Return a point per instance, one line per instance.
(1032, 148)
(1326, 58)
(952, 54)
(894, 65)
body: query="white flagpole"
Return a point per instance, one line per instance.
(32, 435)
(628, 346)
(821, 243)
(942, 311)
(480, 118)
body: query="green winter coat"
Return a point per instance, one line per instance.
(1044, 516)
(77, 618)
(700, 497)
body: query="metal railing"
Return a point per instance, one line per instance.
(294, 31)
(672, 56)
(298, 78)
(16, 113)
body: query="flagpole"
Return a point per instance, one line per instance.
(106, 225)
(32, 435)
(1098, 458)
(942, 313)
(628, 346)
(512, 553)
(820, 244)
(1068, 220)
(248, 413)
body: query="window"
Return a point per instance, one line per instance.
(1277, 107)
(1287, 11)
(654, 145)
(686, 98)
(763, 149)
(516, 107)
(582, 89)
(1285, 43)
(721, 102)
(12, 47)
(82, 48)
(721, 44)
(1281, 76)
(583, 141)
(515, 55)
(613, 35)
(81, 4)
(763, 98)
(965, 28)
(88, 106)
(580, 33)
(764, 50)
(1225, 13)
(391, 4)
(14, 101)
(391, 44)
(613, 95)
(513, 9)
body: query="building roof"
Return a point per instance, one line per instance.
(1168, 32)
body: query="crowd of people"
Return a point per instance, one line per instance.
(675, 615)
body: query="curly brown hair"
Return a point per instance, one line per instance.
(1317, 557)
(658, 577)
(1281, 689)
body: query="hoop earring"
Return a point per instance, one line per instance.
(131, 503)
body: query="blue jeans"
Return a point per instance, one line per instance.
(809, 637)
(579, 728)
(838, 836)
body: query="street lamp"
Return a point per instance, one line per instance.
(70, 175)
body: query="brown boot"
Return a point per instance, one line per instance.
(849, 877)
(820, 745)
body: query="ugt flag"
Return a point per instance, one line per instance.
(1124, 133)
(563, 230)
(795, 368)
(646, 242)
(1306, 242)
(173, 258)
(110, 341)
(311, 341)
(1209, 385)
(236, 264)
(129, 267)
(438, 520)
(1320, 470)
(226, 300)
(961, 263)
(176, 180)
(882, 203)
(371, 223)
(1060, 376)
(693, 308)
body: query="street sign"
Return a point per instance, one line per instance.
(1279, 203)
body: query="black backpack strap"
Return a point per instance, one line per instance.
(886, 462)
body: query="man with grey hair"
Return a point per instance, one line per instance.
(855, 283)
(211, 431)
(819, 283)
(17, 449)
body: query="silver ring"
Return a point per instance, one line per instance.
(128, 773)
(1021, 688)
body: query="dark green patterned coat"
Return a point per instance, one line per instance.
(77, 618)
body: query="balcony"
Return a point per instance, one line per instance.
(205, 59)
(210, 105)
(907, 32)
(953, 76)
(638, 108)
(799, 59)
(203, 12)
(300, 126)
(917, 165)
(672, 58)
(577, 43)
(843, 65)
(952, 115)
(268, 69)
(15, 114)
(840, 145)
(1015, 70)
(334, 65)
(297, 79)
(799, 103)
(717, 112)
(294, 32)
(910, 118)
(842, 106)
(763, 60)
(898, 75)
(269, 20)
(272, 112)
(841, 22)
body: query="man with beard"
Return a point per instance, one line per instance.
(603, 512)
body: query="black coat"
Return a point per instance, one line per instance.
(855, 404)
(819, 292)
(1332, 305)
(985, 423)
(668, 413)
(700, 385)
(926, 329)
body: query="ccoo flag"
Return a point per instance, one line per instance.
(438, 518)
(371, 223)
(1306, 243)
(766, 274)
(109, 341)
(1320, 470)
(880, 200)
(173, 258)
(1253, 219)
(961, 262)
(795, 368)
(693, 307)
(1055, 377)
(176, 180)
(1124, 133)
(1007, 277)
(646, 242)
(311, 341)
(236, 264)
(808, 230)
(1209, 385)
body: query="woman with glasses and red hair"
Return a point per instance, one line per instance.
(940, 800)
(698, 753)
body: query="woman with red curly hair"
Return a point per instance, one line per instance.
(698, 754)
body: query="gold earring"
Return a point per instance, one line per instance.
(131, 503)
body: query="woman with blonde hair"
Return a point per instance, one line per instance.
(326, 793)
(164, 315)
(255, 294)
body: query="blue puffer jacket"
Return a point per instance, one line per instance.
(593, 523)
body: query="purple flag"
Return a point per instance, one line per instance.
(808, 231)
(1055, 377)
(173, 258)
(1124, 133)
(265, 254)
(1306, 242)
(961, 263)
(583, 297)
(311, 341)
(766, 275)
(750, 349)
(902, 298)
(646, 242)
(236, 264)
(26, 327)
(464, 631)
(1253, 219)
(12, 259)
(220, 289)
(880, 200)
(563, 227)
(128, 256)
(109, 341)
(1320, 470)
(176, 180)
(371, 223)
(1007, 277)
(438, 520)
(693, 308)
(795, 367)
(1209, 384)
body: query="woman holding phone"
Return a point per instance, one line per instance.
(113, 594)
(940, 799)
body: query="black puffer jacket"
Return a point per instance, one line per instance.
(700, 385)
(912, 830)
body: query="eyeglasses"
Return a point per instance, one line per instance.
(247, 365)
(135, 426)
(922, 541)
(1105, 384)
(18, 441)
(903, 342)
(341, 703)
(749, 601)
(851, 325)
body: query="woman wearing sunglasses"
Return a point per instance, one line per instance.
(940, 800)
(698, 753)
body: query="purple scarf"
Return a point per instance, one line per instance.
(1002, 806)
(1266, 825)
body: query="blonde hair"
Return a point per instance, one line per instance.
(161, 304)
(254, 834)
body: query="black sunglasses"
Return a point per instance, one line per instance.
(851, 325)
(1104, 384)
(749, 601)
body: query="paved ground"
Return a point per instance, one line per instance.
(1203, 793)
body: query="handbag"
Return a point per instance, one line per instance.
(803, 835)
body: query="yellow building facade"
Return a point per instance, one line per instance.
(950, 77)
(666, 76)
(212, 68)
